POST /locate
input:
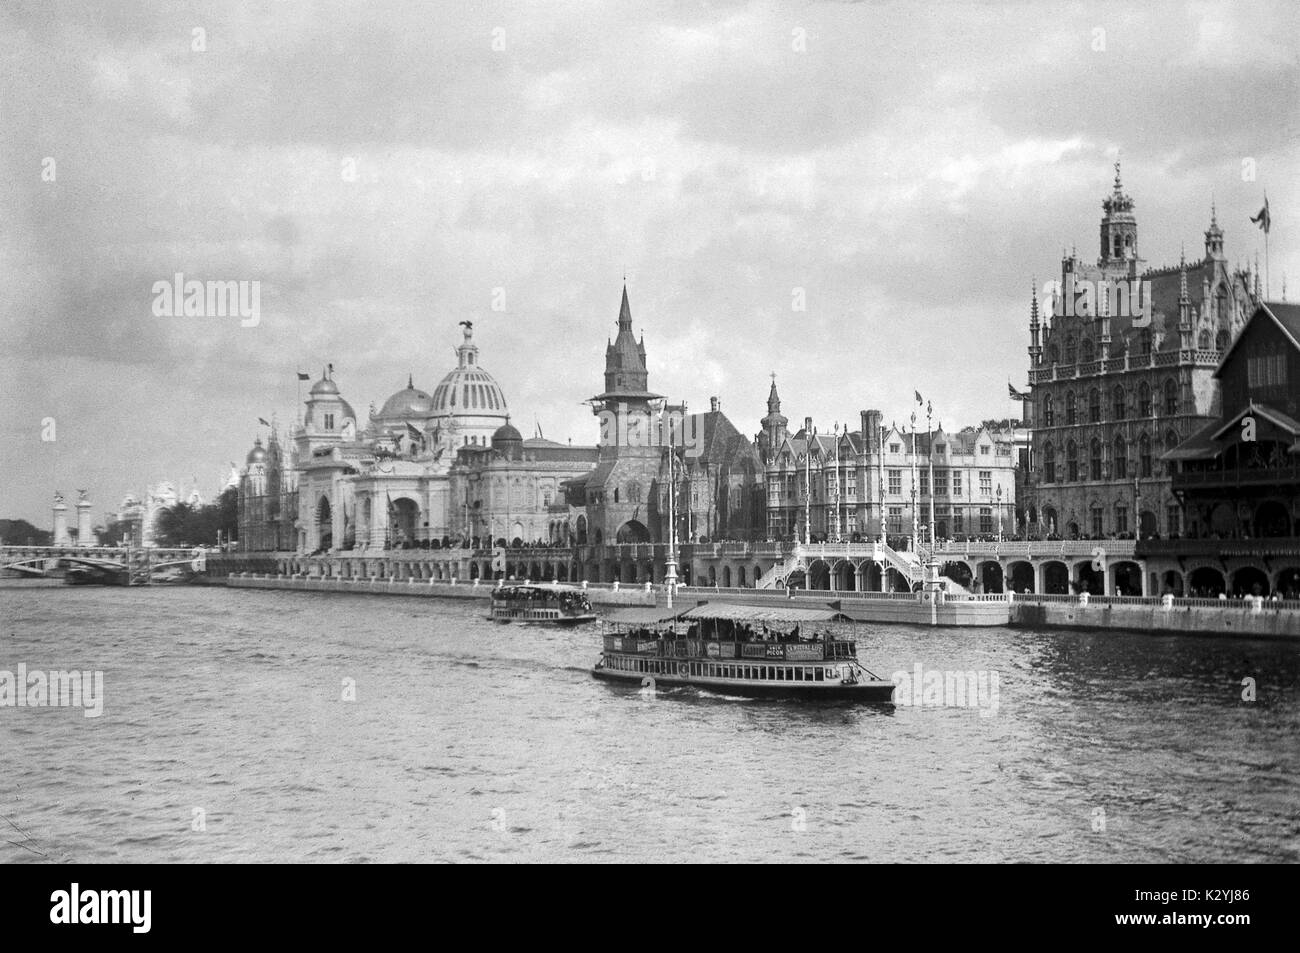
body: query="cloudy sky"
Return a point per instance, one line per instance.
(383, 168)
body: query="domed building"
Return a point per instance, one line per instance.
(468, 405)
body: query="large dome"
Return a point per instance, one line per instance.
(408, 402)
(469, 390)
(257, 454)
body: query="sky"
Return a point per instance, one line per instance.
(856, 197)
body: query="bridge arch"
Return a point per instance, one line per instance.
(1125, 578)
(1206, 582)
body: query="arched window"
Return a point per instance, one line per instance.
(1121, 458)
(1094, 406)
(1088, 352)
(1203, 341)
(1071, 462)
(1094, 459)
(1171, 398)
(1118, 402)
(1071, 349)
(1144, 455)
(1071, 409)
(1221, 340)
(1144, 400)
(1049, 463)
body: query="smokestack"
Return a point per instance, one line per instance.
(865, 429)
(714, 405)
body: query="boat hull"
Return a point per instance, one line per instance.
(539, 616)
(875, 692)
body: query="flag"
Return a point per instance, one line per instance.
(1263, 219)
(263, 422)
(303, 377)
(415, 432)
(918, 398)
(1015, 394)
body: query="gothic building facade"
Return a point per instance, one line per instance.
(859, 484)
(1121, 371)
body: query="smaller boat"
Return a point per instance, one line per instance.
(541, 602)
(777, 652)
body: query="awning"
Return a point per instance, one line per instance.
(1199, 446)
(640, 615)
(781, 613)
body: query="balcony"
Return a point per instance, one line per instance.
(1237, 478)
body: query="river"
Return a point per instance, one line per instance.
(225, 735)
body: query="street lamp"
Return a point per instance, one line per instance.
(999, 494)
(670, 562)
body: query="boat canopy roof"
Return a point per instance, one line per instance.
(782, 613)
(642, 615)
(540, 587)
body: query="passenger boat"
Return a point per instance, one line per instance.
(541, 602)
(776, 652)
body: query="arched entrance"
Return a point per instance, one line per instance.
(1127, 578)
(325, 524)
(403, 519)
(819, 575)
(1271, 519)
(1205, 582)
(1020, 575)
(582, 531)
(1250, 581)
(1089, 580)
(990, 576)
(958, 572)
(1147, 525)
(633, 531)
(1056, 578)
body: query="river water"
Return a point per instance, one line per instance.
(225, 736)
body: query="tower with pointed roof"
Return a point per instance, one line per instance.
(1119, 238)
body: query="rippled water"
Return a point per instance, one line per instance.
(474, 741)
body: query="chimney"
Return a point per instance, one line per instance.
(807, 426)
(866, 430)
(713, 405)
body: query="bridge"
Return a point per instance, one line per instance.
(136, 565)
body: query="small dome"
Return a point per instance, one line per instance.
(257, 454)
(506, 432)
(408, 402)
(324, 386)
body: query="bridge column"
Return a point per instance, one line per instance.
(83, 523)
(1040, 577)
(60, 522)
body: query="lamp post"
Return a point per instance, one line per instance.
(929, 452)
(999, 495)
(880, 484)
(835, 490)
(916, 517)
(670, 562)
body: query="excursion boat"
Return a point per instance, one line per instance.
(777, 652)
(541, 602)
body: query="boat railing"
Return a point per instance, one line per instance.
(703, 648)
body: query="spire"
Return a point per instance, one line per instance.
(410, 381)
(625, 313)
(1118, 188)
(773, 398)
(1033, 304)
(1182, 277)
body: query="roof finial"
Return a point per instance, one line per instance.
(410, 381)
(1117, 185)
(1214, 214)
